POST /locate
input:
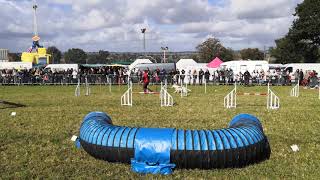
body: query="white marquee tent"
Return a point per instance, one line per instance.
(185, 63)
(139, 61)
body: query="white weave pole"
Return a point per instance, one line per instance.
(77, 91)
(126, 98)
(181, 85)
(295, 91)
(273, 101)
(110, 84)
(184, 89)
(166, 100)
(88, 89)
(205, 85)
(230, 101)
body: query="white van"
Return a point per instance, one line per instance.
(292, 68)
(15, 65)
(242, 66)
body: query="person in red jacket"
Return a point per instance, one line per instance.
(146, 80)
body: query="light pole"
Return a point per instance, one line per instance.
(35, 25)
(164, 49)
(143, 31)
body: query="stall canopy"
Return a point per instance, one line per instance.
(215, 63)
(139, 61)
(184, 63)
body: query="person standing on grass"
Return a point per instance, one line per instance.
(301, 76)
(183, 72)
(146, 80)
(207, 76)
(201, 74)
(246, 78)
(194, 75)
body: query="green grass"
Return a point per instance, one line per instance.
(36, 143)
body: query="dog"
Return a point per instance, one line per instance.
(179, 89)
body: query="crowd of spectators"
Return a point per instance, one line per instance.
(257, 77)
(119, 75)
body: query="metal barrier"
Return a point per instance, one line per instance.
(126, 98)
(230, 101)
(295, 91)
(104, 79)
(166, 100)
(273, 101)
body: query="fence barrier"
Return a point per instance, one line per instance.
(105, 79)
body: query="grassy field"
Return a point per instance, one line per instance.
(36, 142)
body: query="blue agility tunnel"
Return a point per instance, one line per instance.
(159, 151)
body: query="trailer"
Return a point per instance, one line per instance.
(292, 68)
(243, 66)
(15, 65)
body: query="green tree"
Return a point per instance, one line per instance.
(307, 23)
(103, 56)
(212, 48)
(14, 57)
(253, 54)
(55, 54)
(286, 51)
(226, 54)
(75, 55)
(302, 42)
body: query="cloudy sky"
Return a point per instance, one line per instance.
(114, 25)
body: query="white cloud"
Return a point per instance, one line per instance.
(115, 24)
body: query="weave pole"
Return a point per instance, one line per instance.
(230, 101)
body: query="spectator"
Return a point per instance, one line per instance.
(246, 78)
(194, 76)
(183, 72)
(207, 76)
(189, 76)
(201, 74)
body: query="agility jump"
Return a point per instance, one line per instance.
(77, 92)
(166, 100)
(273, 101)
(295, 91)
(126, 98)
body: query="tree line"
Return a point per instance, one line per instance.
(206, 51)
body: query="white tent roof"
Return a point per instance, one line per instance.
(139, 61)
(184, 63)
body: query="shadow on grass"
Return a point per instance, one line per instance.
(10, 105)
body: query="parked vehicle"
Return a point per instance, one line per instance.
(242, 66)
(292, 68)
(15, 65)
